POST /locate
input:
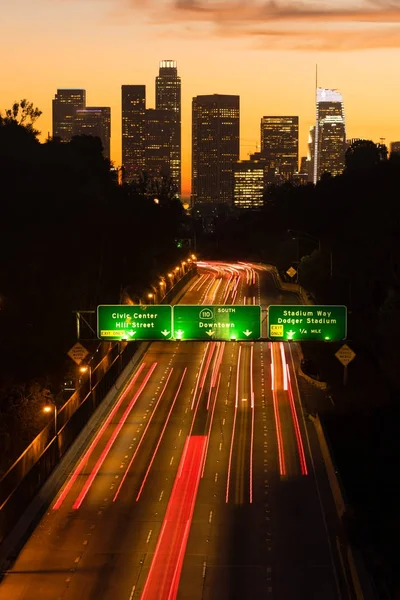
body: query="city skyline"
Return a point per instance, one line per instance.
(272, 74)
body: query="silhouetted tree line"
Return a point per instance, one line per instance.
(70, 238)
(343, 236)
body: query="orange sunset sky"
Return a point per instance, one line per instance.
(263, 50)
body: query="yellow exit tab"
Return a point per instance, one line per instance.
(276, 330)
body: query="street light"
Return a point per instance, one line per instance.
(151, 297)
(87, 369)
(51, 407)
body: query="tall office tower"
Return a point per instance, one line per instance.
(96, 121)
(159, 130)
(215, 147)
(168, 98)
(65, 104)
(280, 143)
(249, 184)
(133, 130)
(330, 134)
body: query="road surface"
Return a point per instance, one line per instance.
(205, 481)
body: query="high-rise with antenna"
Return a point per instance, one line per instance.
(329, 133)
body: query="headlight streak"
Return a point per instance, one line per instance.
(284, 365)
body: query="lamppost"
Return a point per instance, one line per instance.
(52, 407)
(150, 296)
(87, 369)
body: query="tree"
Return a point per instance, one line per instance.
(364, 154)
(22, 113)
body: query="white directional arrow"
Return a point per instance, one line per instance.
(179, 334)
(210, 333)
(290, 334)
(247, 332)
(165, 332)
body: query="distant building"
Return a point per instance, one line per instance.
(330, 134)
(304, 165)
(280, 143)
(249, 184)
(158, 132)
(95, 121)
(395, 147)
(65, 104)
(168, 99)
(215, 148)
(133, 130)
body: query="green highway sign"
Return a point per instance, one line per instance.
(134, 322)
(217, 322)
(298, 322)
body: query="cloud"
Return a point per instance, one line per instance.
(289, 24)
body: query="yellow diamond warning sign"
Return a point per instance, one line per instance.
(78, 353)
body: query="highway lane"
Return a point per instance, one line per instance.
(273, 544)
(90, 542)
(268, 539)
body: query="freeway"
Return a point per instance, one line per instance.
(203, 482)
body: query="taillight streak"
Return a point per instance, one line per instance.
(160, 438)
(142, 436)
(163, 578)
(111, 441)
(93, 445)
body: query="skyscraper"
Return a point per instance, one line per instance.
(159, 130)
(133, 130)
(215, 147)
(330, 134)
(65, 105)
(96, 121)
(280, 143)
(168, 98)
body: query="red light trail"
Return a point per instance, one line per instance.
(93, 445)
(111, 441)
(142, 437)
(159, 439)
(165, 570)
